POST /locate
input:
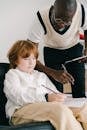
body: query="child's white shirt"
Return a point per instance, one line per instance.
(22, 88)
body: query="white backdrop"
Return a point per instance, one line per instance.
(15, 19)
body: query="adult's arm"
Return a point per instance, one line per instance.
(36, 35)
(59, 75)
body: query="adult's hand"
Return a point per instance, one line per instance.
(85, 58)
(58, 75)
(85, 51)
(61, 76)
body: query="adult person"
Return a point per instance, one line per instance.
(58, 28)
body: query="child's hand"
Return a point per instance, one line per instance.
(60, 97)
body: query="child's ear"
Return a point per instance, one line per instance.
(16, 62)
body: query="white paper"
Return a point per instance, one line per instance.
(75, 102)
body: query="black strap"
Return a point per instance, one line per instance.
(83, 15)
(46, 96)
(41, 21)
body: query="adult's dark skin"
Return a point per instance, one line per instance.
(64, 11)
(59, 75)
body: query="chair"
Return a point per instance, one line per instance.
(4, 125)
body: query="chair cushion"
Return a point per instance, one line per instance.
(3, 69)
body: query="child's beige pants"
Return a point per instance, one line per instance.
(60, 116)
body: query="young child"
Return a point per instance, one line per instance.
(31, 96)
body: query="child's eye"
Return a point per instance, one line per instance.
(26, 58)
(29, 58)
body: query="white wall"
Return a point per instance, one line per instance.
(15, 18)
